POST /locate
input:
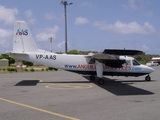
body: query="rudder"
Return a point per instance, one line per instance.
(23, 40)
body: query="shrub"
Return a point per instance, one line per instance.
(15, 69)
(26, 69)
(55, 69)
(10, 69)
(51, 68)
(32, 70)
(47, 69)
(4, 69)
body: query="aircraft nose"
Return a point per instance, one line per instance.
(150, 70)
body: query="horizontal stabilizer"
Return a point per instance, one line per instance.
(122, 52)
(16, 53)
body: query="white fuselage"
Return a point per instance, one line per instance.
(80, 64)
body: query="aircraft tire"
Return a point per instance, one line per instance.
(101, 82)
(148, 78)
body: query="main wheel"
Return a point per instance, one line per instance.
(101, 82)
(148, 78)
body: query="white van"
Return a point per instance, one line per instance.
(152, 63)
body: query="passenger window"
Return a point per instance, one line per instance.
(127, 63)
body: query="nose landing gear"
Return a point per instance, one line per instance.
(148, 78)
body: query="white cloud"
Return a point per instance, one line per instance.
(81, 21)
(86, 4)
(5, 35)
(145, 47)
(125, 28)
(44, 34)
(4, 43)
(61, 45)
(28, 13)
(132, 4)
(49, 16)
(135, 4)
(148, 13)
(31, 21)
(7, 15)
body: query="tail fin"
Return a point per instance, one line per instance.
(23, 40)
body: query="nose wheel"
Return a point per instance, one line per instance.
(148, 78)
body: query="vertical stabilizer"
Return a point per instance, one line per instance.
(23, 40)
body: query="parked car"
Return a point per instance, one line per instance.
(152, 63)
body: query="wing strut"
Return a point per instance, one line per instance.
(99, 70)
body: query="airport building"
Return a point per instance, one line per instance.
(4, 62)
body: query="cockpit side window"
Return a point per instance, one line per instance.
(135, 62)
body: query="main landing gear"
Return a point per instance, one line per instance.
(100, 80)
(148, 78)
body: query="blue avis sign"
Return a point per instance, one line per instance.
(22, 32)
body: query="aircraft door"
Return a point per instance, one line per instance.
(127, 65)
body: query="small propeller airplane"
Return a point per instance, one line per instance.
(113, 62)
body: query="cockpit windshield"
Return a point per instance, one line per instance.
(135, 62)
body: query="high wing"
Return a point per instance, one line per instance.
(110, 57)
(122, 52)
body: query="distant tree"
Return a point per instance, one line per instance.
(27, 63)
(1, 57)
(86, 52)
(73, 52)
(144, 58)
(59, 52)
(10, 59)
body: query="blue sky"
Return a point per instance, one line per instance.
(92, 24)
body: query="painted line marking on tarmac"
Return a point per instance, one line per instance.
(39, 109)
(68, 86)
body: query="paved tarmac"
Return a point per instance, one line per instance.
(68, 96)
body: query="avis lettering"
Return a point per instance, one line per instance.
(46, 57)
(22, 32)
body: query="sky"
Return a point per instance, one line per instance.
(92, 25)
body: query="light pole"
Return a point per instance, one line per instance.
(65, 3)
(50, 38)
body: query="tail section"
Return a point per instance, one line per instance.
(23, 40)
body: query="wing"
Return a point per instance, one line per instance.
(122, 52)
(110, 57)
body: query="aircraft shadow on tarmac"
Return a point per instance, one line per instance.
(27, 83)
(119, 88)
(122, 87)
